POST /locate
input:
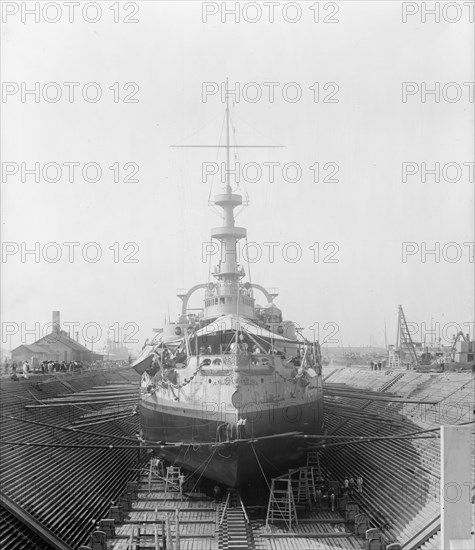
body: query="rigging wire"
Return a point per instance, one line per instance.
(201, 128)
(204, 469)
(257, 131)
(268, 486)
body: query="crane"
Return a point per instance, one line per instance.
(460, 336)
(404, 340)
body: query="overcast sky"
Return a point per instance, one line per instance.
(358, 127)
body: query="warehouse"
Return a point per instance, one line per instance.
(55, 346)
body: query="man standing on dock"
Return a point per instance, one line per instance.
(318, 495)
(359, 483)
(26, 369)
(352, 485)
(222, 432)
(241, 428)
(346, 485)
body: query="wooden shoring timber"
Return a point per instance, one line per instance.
(116, 383)
(381, 420)
(360, 439)
(97, 392)
(354, 408)
(332, 535)
(105, 411)
(346, 386)
(62, 404)
(92, 423)
(110, 390)
(102, 418)
(110, 414)
(81, 397)
(402, 434)
(111, 398)
(362, 415)
(385, 398)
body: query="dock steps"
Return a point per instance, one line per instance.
(234, 528)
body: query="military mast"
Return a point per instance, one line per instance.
(225, 296)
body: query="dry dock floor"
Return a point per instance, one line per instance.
(199, 527)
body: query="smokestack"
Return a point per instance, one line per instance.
(56, 321)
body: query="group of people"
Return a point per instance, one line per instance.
(319, 497)
(24, 368)
(348, 487)
(235, 347)
(243, 347)
(350, 484)
(228, 431)
(376, 366)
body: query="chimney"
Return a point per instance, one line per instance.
(56, 322)
(77, 336)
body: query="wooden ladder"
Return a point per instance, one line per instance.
(313, 462)
(155, 471)
(281, 505)
(306, 491)
(172, 480)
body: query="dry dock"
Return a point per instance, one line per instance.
(204, 524)
(62, 465)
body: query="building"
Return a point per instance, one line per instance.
(55, 346)
(465, 351)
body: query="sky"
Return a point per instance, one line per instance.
(348, 248)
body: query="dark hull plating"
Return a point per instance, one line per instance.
(238, 462)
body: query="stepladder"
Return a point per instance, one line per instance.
(281, 506)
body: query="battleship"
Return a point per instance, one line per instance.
(231, 392)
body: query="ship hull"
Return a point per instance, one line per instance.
(268, 447)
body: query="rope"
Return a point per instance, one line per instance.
(200, 129)
(204, 469)
(268, 486)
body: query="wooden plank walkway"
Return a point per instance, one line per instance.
(198, 528)
(320, 529)
(197, 519)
